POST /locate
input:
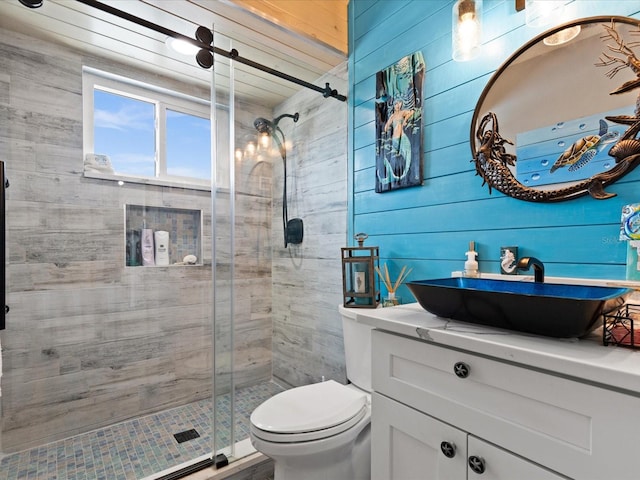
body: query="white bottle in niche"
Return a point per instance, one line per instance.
(146, 245)
(162, 247)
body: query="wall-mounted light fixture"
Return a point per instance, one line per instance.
(466, 29)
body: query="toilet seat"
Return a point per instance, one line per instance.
(309, 413)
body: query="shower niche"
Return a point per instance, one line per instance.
(146, 244)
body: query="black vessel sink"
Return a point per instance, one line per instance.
(550, 309)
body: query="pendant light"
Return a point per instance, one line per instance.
(466, 30)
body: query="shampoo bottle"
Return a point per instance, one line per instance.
(162, 247)
(146, 243)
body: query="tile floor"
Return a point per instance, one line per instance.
(139, 447)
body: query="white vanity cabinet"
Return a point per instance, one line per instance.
(409, 445)
(508, 420)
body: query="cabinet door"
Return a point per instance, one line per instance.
(409, 445)
(487, 462)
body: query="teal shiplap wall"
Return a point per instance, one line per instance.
(429, 227)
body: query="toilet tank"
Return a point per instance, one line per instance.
(357, 349)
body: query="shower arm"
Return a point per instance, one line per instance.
(295, 117)
(233, 54)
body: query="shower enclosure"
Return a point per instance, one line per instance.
(112, 369)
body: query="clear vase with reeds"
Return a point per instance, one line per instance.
(391, 299)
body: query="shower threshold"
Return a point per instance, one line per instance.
(246, 457)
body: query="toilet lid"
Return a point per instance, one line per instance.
(309, 408)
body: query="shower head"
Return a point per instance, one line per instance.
(263, 125)
(270, 127)
(267, 127)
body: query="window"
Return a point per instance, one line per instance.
(124, 130)
(145, 133)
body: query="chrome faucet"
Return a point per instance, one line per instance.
(538, 268)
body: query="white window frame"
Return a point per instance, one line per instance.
(163, 99)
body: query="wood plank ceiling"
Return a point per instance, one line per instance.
(323, 20)
(304, 39)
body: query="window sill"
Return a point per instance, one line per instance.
(149, 181)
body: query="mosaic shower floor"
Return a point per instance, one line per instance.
(137, 448)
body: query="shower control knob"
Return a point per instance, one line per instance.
(461, 369)
(448, 449)
(476, 464)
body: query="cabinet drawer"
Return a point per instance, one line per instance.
(579, 430)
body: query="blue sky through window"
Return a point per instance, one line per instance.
(124, 129)
(188, 145)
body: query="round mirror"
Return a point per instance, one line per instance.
(560, 118)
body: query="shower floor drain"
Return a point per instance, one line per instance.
(186, 435)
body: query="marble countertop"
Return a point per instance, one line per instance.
(585, 359)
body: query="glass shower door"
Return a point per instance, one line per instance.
(242, 260)
(107, 363)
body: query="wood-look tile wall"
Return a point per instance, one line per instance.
(88, 341)
(307, 278)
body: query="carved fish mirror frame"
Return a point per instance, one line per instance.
(570, 113)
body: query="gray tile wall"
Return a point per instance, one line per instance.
(307, 278)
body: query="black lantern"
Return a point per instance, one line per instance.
(359, 281)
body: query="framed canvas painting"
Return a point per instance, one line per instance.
(399, 124)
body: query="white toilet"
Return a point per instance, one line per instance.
(322, 431)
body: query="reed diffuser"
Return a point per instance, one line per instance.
(391, 298)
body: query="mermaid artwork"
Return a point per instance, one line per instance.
(398, 124)
(399, 144)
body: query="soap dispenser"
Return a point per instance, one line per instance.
(471, 265)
